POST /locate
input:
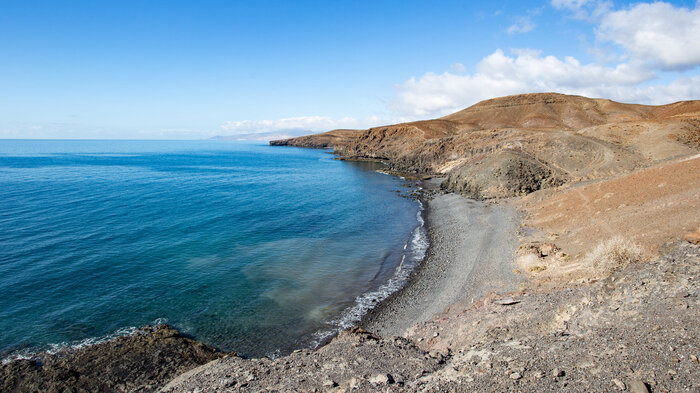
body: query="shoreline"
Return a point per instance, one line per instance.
(472, 247)
(28, 365)
(414, 255)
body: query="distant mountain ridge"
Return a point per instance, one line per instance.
(261, 136)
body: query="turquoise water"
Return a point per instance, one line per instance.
(247, 247)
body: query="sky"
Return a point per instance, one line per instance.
(197, 69)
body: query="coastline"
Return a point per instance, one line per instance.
(471, 253)
(48, 368)
(486, 345)
(446, 331)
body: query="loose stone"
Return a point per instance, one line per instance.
(619, 384)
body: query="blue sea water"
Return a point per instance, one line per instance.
(246, 247)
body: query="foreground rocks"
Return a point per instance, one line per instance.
(354, 361)
(138, 363)
(636, 330)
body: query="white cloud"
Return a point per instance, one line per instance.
(655, 38)
(499, 74)
(684, 88)
(584, 9)
(522, 24)
(311, 123)
(656, 32)
(458, 68)
(571, 4)
(302, 123)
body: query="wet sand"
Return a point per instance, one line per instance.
(472, 247)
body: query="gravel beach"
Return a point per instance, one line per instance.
(472, 246)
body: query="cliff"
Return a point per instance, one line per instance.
(326, 140)
(519, 144)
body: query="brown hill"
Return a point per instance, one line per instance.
(547, 111)
(518, 144)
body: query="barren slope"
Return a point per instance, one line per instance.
(649, 207)
(548, 111)
(518, 144)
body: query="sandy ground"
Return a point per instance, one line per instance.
(652, 207)
(472, 245)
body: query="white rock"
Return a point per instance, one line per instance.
(637, 386)
(382, 379)
(619, 384)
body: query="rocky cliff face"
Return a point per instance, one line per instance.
(326, 140)
(506, 146)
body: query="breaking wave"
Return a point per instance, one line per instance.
(413, 255)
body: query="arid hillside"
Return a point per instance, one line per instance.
(519, 144)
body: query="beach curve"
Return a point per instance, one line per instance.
(472, 248)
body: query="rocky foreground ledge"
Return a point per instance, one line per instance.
(141, 362)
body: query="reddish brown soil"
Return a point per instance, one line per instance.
(651, 207)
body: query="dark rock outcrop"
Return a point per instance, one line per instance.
(136, 363)
(503, 174)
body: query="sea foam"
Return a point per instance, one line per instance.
(414, 253)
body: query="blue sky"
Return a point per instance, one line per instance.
(175, 69)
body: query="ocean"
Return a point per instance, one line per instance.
(249, 248)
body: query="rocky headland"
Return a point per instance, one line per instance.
(516, 145)
(564, 256)
(325, 140)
